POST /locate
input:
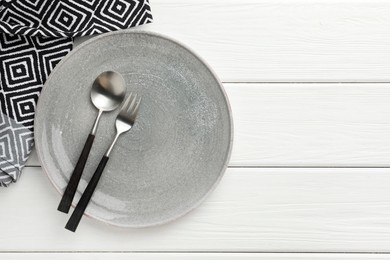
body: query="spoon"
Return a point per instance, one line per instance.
(107, 93)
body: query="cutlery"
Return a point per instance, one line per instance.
(124, 122)
(107, 93)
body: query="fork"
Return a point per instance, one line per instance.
(124, 122)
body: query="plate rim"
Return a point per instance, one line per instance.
(221, 87)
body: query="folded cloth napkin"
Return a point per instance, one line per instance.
(34, 36)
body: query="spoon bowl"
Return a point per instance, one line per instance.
(108, 91)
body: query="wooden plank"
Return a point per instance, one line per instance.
(311, 125)
(283, 40)
(189, 256)
(261, 210)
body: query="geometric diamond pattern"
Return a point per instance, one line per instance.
(16, 142)
(20, 70)
(71, 18)
(34, 36)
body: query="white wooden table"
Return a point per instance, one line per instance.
(309, 177)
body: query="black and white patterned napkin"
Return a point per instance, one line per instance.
(34, 36)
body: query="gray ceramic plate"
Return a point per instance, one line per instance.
(177, 150)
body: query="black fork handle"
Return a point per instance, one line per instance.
(70, 190)
(78, 212)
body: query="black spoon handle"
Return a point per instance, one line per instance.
(78, 212)
(70, 190)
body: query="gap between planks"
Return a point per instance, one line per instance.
(189, 255)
